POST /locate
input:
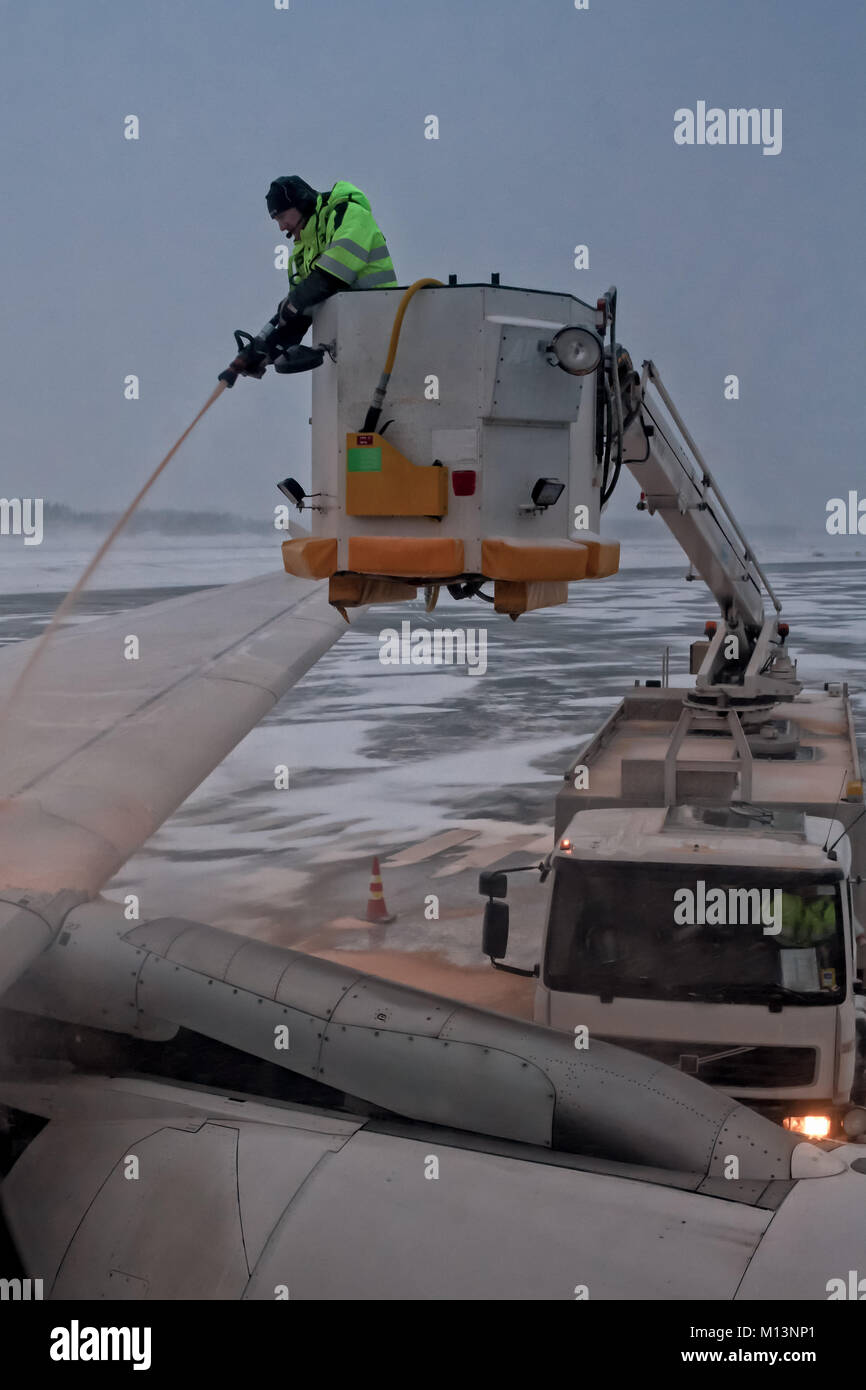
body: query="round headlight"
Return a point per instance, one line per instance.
(577, 350)
(854, 1122)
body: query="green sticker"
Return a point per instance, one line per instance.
(365, 460)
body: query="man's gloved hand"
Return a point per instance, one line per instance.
(245, 368)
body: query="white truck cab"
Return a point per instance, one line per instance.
(720, 940)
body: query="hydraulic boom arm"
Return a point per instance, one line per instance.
(675, 481)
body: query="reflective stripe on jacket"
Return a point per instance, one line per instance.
(341, 237)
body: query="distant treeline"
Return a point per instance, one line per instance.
(170, 521)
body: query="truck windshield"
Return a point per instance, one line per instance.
(714, 934)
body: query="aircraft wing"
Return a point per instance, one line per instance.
(103, 744)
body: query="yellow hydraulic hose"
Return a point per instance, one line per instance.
(398, 320)
(377, 402)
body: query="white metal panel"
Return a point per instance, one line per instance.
(515, 456)
(583, 486)
(359, 1219)
(272, 1165)
(551, 325)
(230, 1014)
(526, 386)
(371, 1002)
(818, 1235)
(49, 1190)
(368, 1224)
(325, 446)
(486, 1089)
(78, 1099)
(213, 1169)
(154, 1229)
(480, 344)
(90, 977)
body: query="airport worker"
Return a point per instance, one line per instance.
(807, 921)
(337, 246)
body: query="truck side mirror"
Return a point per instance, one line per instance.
(492, 883)
(494, 940)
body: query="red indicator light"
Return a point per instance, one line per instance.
(463, 482)
(710, 628)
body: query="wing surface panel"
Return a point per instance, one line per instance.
(98, 750)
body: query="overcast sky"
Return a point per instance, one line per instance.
(556, 127)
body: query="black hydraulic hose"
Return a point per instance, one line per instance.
(617, 401)
(606, 496)
(605, 465)
(470, 589)
(607, 490)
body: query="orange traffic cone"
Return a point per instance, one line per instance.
(376, 909)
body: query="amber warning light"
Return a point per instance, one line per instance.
(810, 1126)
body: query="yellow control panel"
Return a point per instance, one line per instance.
(380, 481)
